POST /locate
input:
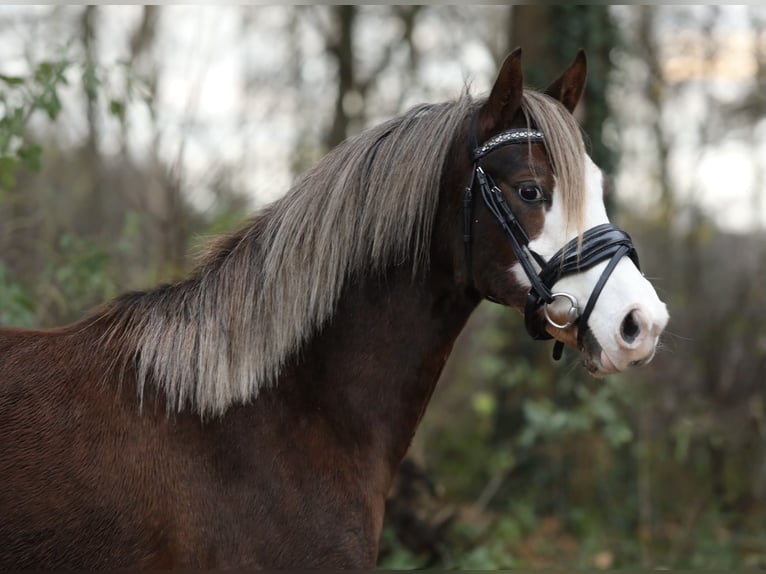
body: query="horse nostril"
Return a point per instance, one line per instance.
(630, 328)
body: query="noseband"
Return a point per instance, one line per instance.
(605, 242)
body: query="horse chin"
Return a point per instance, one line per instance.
(599, 367)
(594, 359)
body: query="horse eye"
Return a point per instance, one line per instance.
(530, 193)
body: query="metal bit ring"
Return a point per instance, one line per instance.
(572, 315)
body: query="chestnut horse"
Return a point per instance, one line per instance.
(254, 413)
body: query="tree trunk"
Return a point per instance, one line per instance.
(566, 29)
(91, 154)
(342, 51)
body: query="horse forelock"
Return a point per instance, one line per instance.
(224, 334)
(566, 150)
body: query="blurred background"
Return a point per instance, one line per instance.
(128, 134)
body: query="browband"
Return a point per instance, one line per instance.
(508, 137)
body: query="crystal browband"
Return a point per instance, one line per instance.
(507, 137)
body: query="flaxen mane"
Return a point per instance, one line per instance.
(220, 336)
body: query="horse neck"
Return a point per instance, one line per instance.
(373, 367)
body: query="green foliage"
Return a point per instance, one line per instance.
(38, 92)
(82, 246)
(20, 98)
(16, 305)
(82, 277)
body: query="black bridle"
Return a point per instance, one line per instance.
(605, 242)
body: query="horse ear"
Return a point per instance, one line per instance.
(568, 88)
(504, 99)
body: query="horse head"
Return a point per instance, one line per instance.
(536, 235)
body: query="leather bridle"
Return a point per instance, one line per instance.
(605, 242)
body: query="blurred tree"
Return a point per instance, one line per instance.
(550, 36)
(87, 222)
(348, 100)
(353, 86)
(686, 426)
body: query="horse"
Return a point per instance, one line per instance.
(254, 413)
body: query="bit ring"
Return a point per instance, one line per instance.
(572, 315)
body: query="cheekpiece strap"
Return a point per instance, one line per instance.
(514, 136)
(495, 202)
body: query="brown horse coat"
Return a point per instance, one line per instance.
(255, 413)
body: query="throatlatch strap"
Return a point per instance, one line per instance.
(467, 228)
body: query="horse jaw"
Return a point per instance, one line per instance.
(627, 303)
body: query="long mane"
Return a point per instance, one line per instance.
(222, 335)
